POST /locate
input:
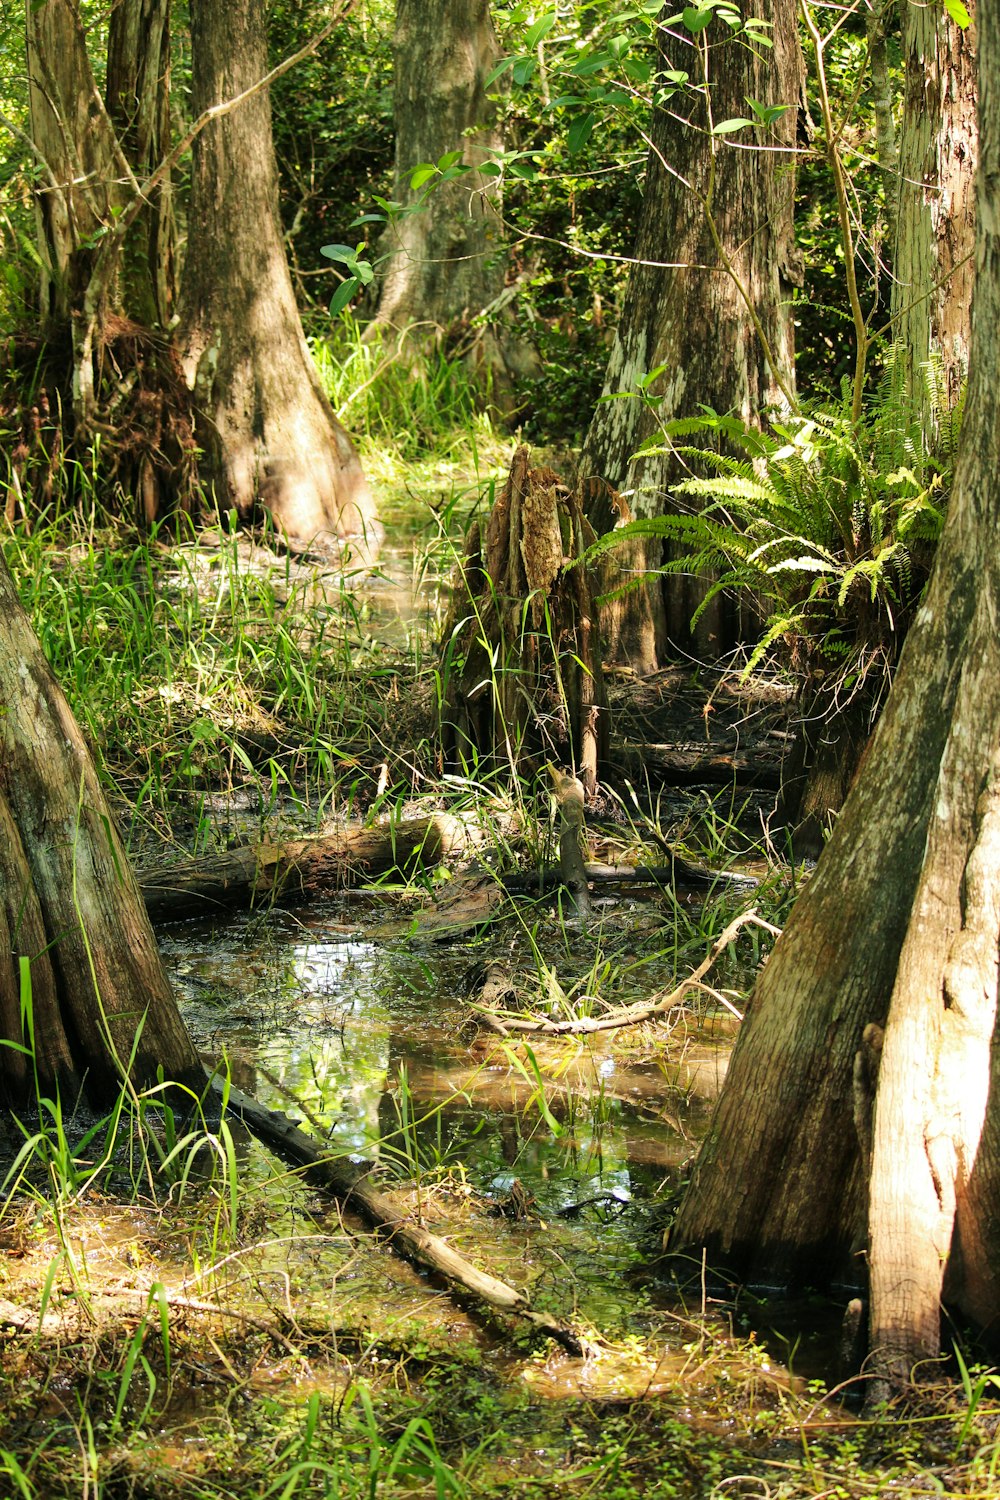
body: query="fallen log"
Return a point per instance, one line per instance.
(680, 872)
(275, 874)
(693, 765)
(351, 1184)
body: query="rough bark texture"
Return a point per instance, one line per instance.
(138, 99)
(101, 1003)
(80, 176)
(690, 315)
(276, 874)
(900, 929)
(268, 431)
(939, 146)
(521, 653)
(446, 260)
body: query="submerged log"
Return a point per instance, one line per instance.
(521, 652)
(272, 874)
(353, 1186)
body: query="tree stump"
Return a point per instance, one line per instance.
(521, 656)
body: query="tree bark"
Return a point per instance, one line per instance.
(936, 221)
(446, 261)
(693, 316)
(899, 929)
(521, 653)
(79, 157)
(138, 100)
(274, 874)
(268, 432)
(99, 1004)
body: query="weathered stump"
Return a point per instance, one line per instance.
(521, 653)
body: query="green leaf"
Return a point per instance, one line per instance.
(958, 13)
(638, 70)
(422, 174)
(695, 19)
(524, 69)
(579, 133)
(449, 159)
(347, 254)
(498, 72)
(541, 29)
(726, 127)
(343, 295)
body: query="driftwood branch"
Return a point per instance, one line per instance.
(630, 1015)
(352, 1185)
(272, 874)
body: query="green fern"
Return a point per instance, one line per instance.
(830, 524)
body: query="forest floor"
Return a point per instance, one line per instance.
(182, 1314)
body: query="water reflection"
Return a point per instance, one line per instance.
(373, 1043)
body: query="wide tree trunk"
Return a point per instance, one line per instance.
(855, 1103)
(445, 258)
(690, 308)
(268, 432)
(936, 220)
(81, 978)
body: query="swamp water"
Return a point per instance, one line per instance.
(303, 1356)
(540, 1164)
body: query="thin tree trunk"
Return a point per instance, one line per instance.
(138, 99)
(936, 222)
(692, 317)
(268, 432)
(80, 163)
(77, 940)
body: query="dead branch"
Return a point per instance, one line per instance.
(352, 1186)
(630, 1015)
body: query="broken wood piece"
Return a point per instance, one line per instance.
(630, 1015)
(274, 874)
(352, 1186)
(569, 798)
(521, 651)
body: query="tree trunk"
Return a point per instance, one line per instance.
(445, 254)
(82, 977)
(266, 427)
(521, 652)
(693, 316)
(138, 99)
(80, 173)
(899, 929)
(936, 222)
